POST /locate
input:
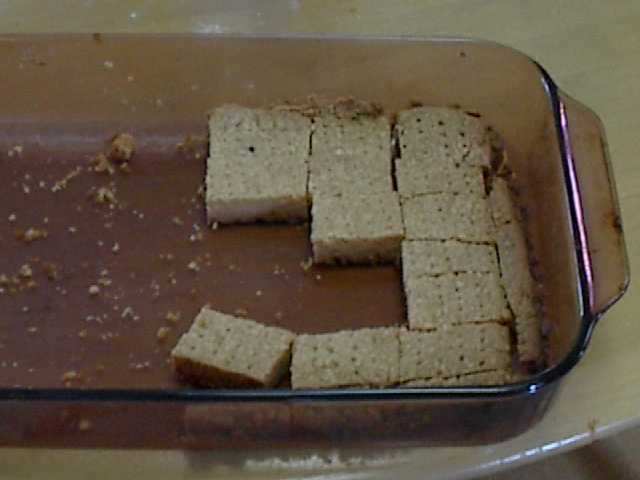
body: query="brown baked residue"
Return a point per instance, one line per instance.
(101, 164)
(341, 107)
(192, 145)
(103, 195)
(62, 183)
(31, 234)
(123, 147)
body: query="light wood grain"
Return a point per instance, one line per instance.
(592, 49)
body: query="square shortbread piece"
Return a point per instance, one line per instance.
(258, 165)
(520, 289)
(358, 135)
(452, 299)
(345, 174)
(446, 216)
(441, 150)
(356, 228)
(360, 358)
(220, 350)
(443, 134)
(453, 351)
(435, 257)
(417, 175)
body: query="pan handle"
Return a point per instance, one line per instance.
(596, 202)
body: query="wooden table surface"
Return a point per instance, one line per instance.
(591, 48)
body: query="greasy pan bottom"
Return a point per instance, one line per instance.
(166, 261)
(254, 269)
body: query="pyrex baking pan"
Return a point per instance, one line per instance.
(81, 371)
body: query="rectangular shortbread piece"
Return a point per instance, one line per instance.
(446, 216)
(452, 299)
(236, 130)
(435, 257)
(220, 350)
(443, 134)
(520, 290)
(345, 174)
(359, 135)
(258, 165)
(417, 175)
(453, 351)
(359, 358)
(356, 228)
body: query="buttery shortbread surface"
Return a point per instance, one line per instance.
(350, 155)
(453, 351)
(441, 150)
(436, 133)
(333, 174)
(357, 135)
(435, 257)
(258, 165)
(220, 350)
(446, 216)
(415, 176)
(368, 357)
(455, 298)
(356, 228)
(520, 290)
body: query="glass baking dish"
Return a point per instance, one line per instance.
(65, 96)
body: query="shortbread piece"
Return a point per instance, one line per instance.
(438, 134)
(520, 289)
(258, 165)
(418, 175)
(453, 351)
(356, 228)
(220, 350)
(441, 150)
(236, 130)
(435, 257)
(332, 174)
(365, 136)
(359, 358)
(455, 298)
(351, 153)
(448, 216)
